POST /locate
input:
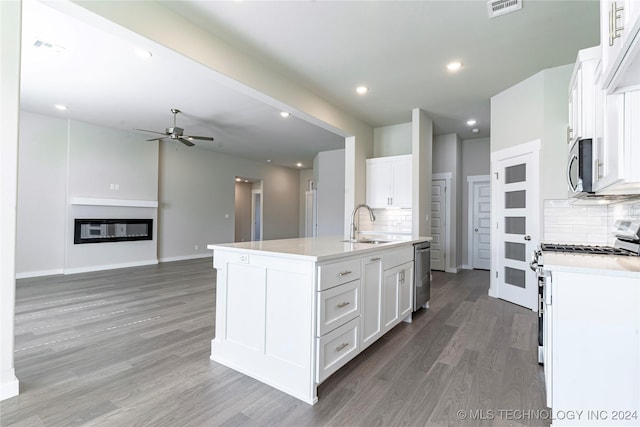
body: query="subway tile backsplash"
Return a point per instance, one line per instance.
(388, 221)
(567, 223)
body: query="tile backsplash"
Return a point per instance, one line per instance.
(388, 221)
(567, 223)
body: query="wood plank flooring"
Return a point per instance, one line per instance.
(131, 347)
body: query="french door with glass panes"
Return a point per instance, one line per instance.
(517, 226)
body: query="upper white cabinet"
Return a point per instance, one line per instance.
(582, 92)
(389, 182)
(620, 41)
(617, 151)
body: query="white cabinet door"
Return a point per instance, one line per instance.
(619, 151)
(389, 182)
(390, 303)
(371, 300)
(402, 178)
(405, 285)
(619, 29)
(378, 183)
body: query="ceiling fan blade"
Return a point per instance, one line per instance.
(156, 139)
(203, 138)
(152, 131)
(186, 142)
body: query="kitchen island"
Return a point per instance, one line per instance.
(291, 312)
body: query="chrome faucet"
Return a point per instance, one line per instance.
(353, 218)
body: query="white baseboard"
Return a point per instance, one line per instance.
(185, 257)
(30, 274)
(454, 270)
(493, 293)
(11, 387)
(467, 267)
(89, 269)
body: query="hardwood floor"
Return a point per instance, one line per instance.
(131, 347)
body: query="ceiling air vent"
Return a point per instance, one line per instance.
(501, 7)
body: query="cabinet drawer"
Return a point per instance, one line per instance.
(337, 348)
(397, 257)
(337, 306)
(330, 275)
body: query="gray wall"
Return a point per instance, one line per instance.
(476, 160)
(195, 189)
(447, 157)
(329, 171)
(243, 212)
(536, 108)
(393, 140)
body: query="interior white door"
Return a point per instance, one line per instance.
(517, 228)
(482, 225)
(256, 215)
(438, 229)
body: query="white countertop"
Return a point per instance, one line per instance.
(627, 266)
(314, 248)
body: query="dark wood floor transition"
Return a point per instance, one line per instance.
(131, 347)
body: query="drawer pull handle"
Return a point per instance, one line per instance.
(341, 346)
(344, 273)
(343, 304)
(376, 259)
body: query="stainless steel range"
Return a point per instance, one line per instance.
(627, 243)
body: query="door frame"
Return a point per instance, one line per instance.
(472, 180)
(254, 193)
(532, 147)
(446, 177)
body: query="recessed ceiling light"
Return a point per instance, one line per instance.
(362, 90)
(454, 66)
(471, 122)
(144, 54)
(268, 160)
(285, 114)
(299, 164)
(238, 179)
(246, 180)
(61, 107)
(475, 130)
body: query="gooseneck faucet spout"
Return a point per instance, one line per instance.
(353, 218)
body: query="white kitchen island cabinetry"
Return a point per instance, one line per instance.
(592, 340)
(389, 182)
(291, 312)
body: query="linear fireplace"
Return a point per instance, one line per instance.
(112, 230)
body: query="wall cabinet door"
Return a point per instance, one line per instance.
(389, 182)
(371, 301)
(619, 26)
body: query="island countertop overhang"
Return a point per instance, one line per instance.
(313, 248)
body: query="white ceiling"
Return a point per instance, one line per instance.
(398, 49)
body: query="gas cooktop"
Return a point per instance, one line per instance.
(586, 249)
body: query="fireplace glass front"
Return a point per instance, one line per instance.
(112, 230)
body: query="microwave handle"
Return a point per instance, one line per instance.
(572, 187)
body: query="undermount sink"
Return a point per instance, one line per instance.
(372, 241)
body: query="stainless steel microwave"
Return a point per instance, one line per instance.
(580, 168)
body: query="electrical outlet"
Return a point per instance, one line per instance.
(244, 258)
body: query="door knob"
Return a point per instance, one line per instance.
(476, 229)
(527, 238)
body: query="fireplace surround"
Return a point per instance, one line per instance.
(97, 230)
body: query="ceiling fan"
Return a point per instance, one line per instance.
(177, 133)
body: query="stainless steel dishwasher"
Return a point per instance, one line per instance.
(422, 272)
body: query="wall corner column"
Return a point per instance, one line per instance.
(422, 167)
(10, 21)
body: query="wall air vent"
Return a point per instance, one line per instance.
(501, 7)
